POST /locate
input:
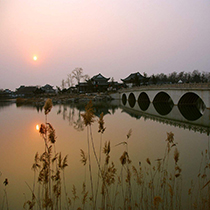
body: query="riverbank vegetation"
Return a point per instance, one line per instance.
(63, 99)
(181, 77)
(112, 185)
(69, 85)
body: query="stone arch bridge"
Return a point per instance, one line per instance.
(177, 94)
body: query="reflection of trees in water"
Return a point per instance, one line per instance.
(113, 109)
(5, 104)
(79, 125)
(73, 116)
(38, 108)
(72, 112)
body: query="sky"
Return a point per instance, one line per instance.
(111, 37)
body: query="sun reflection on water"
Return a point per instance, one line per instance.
(37, 127)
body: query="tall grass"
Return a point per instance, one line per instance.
(48, 169)
(148, 185)
(5, 198)
(199, 193)
(151, 187)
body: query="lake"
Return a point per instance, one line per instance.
(20, 141)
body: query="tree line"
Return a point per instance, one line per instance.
(182, 77)
(77, 75)
(73, 78)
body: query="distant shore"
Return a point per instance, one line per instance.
(61, 99)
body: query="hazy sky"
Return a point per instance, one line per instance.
(111, 37)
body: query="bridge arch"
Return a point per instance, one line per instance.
(163, 103)
(191, 103)
(124, 99)
(191, 98)
(143, 101)
(131, 100)
(162, 97)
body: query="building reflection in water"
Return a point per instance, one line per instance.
(193, 117)
(187, 117)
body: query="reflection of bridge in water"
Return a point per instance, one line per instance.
(181, 105)
(174, 118)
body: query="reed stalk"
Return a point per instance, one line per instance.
(152, 185)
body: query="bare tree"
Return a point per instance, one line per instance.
(62, 84)
(77, 74)
(86, 77)
(70, 80)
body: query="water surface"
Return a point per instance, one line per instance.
(20, 141)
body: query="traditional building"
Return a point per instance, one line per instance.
(135, 79)
(26, 91)
(7, 93)
(97, 83)
(48, 89)
(100, 82)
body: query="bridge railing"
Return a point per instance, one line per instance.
(170, 86)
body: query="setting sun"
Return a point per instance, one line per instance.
(35, 58)
(37, 127)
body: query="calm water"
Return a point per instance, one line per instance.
(20, 141)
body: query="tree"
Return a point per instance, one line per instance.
(78, 74)
(153, 79)
(181, 76)
(188, 77)
(63, 84)
(163, 78)
(86, 77)
(196, 75)
(173, 77)
(58, 90)
(69, 80)
(112, 82)
(208, 77)
(145, 78)
(204, 77)
(90, 86)
(144, 74)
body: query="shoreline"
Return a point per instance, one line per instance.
(60, 99)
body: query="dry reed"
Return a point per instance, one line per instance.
(150, 185)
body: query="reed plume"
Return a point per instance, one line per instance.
(49, 166)
(101, 128)
(48, 106)
(88, 116)
(176, 155)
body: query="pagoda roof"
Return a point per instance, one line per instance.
(99, 77)
(132, 77)
(26, 89)
(47, 86)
